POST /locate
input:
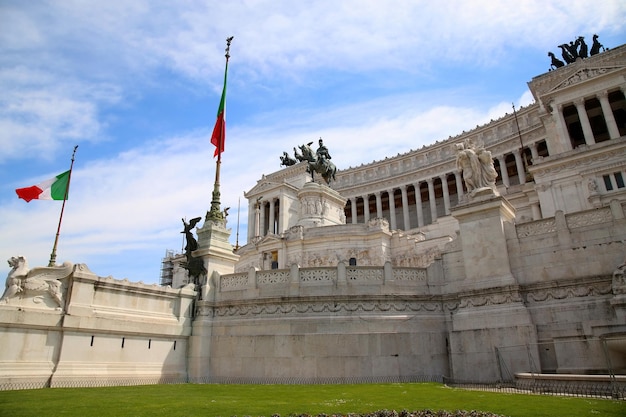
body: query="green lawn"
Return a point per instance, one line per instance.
(266, 400)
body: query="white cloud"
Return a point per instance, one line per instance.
(68, 63)
(39, 112)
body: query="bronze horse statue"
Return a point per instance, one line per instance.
(317, 163)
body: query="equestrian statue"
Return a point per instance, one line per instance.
(319, 161)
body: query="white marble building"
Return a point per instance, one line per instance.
(397, 271)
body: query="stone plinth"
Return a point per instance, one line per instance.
(485, 254)
(219, 258)
(320, 206)
(215, 249)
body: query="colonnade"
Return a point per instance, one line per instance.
(422, 202)
(264, 217)
(405, 206)
(595, 118)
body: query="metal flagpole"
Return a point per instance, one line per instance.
(519, 134)
(521, 144)
(215, 213)
(53, 255)
(238, 210)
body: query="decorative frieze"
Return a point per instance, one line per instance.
(323, 308)
(580, 164)
(569, 292)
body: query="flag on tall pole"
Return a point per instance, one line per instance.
(53, 189)
(56, 188)
(218, 138)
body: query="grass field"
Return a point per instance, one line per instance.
(267, 400)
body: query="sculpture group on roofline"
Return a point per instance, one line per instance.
(574, 50)
(318, 161)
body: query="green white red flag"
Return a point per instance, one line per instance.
(53, 189)
(218, 138)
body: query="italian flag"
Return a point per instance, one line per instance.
(218, 138)
(53, 189)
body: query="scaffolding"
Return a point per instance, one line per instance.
(167, 268)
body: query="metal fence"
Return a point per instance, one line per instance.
(572, 388)
(611, 388)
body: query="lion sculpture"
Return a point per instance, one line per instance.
(37, 283)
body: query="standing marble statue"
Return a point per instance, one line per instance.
(476, 164)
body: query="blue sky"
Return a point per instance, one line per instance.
(136, 85)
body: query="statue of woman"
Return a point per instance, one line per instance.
(476, 164)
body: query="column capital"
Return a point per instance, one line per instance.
(603, 94)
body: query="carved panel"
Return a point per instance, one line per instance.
(234, 281)
(318, 275)
(409, 274)
(583, 75)
(364, 274)
(272, 277)
(589, 218)
(536, 228)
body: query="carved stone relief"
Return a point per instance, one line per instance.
(41, 287)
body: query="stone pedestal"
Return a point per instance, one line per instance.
(320, 206)
(485, 254)
(491, 313)
(215, 249)
(219, 258)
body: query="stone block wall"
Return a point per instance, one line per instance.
(106, 332)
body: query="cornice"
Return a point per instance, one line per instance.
(580, 159)
(528, 295)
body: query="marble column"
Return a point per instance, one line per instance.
(533, 151)
(252, 220)
(418, 205)
(257, 220)
(503, 172)
(262, 222)
(459, 184)
(561, 127)
(405, 208)
(446, 194)
(392, 210)
(366, 208)
(431, 200)
(584, 121)
(271, 227)
(519, 165)
(608, 115)
(379, 205)
(353, 212)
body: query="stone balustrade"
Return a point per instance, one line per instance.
(322, 281)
